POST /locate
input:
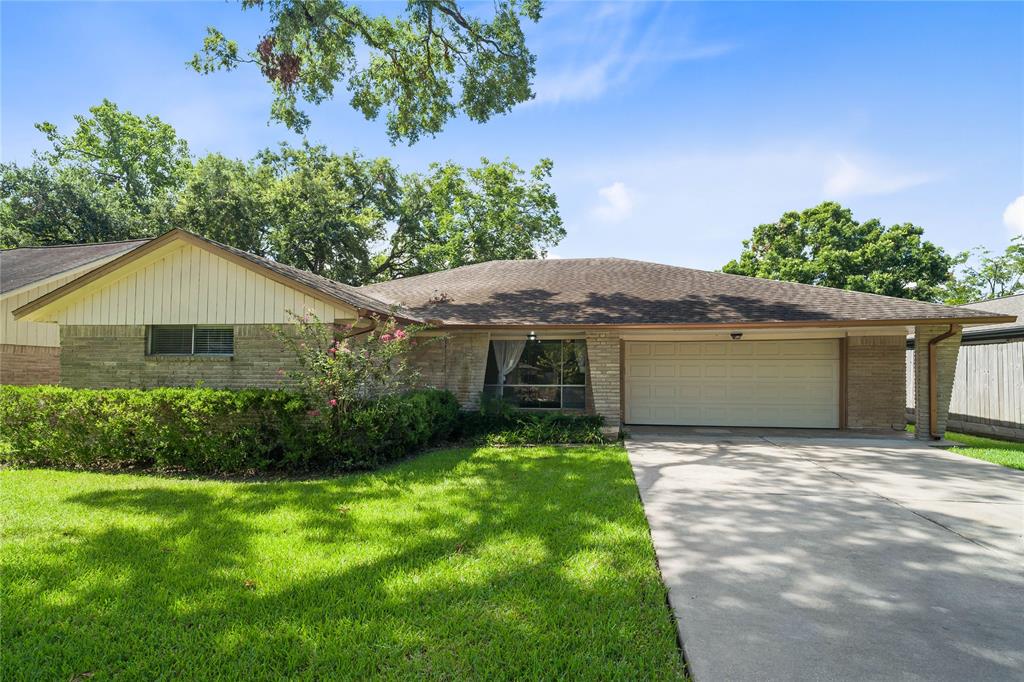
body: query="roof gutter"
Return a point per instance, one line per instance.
(933, 378)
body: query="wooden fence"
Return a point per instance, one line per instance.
(988, 391)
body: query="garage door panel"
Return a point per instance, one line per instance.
(638, 369)
(664, 370)
(665, 392)
(742, 370)
(754, 383)
(716, 370)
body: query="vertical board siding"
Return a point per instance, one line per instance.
(989, 383)
(25, 333)
(191, 285)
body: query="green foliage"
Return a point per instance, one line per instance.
(227, 200)
(329, 210)
(110, 179)
(824, 245)
(990, 276)
(207, 430)
(498, 423)
(42, 205)
(144, 157)
(352, 219)
(341, 366)
(455, 216)
(422, 67)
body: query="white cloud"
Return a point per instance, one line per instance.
(1013, 216)
(616, 203)
(608, 47)
(694, 205)
(846, 177)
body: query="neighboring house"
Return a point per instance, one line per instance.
(30, 351)
(638, 343)
(988, 393)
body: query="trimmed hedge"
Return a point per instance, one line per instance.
(515, 427)
(208, 430)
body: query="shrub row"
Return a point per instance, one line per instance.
(207, 430)
(514, 427)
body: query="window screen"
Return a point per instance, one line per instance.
(191, 340)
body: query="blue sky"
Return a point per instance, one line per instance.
(674, 128)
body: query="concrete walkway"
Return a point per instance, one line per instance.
(790, 557)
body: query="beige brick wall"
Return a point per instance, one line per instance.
(875, 381)
(947, 352)
(29, 365)
(456, 361)
(115, 357)
(604, 363)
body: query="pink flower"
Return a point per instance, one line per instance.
(313, 413)
(385, 337)
(332, 402)
(332, 350)
(399, 334)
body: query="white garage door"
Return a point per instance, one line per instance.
(733, 383)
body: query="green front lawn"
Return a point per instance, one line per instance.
(461, 564)
(1006, 452)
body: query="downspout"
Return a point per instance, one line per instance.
(933, 378)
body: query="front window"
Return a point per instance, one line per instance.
(538, 374)
(187, 339)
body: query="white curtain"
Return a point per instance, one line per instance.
(580, 348)
(507, 354)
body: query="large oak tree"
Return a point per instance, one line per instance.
(824, 245)
(354, 219)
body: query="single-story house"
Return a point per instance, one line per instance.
(988, 392)
(636, 342)
(30, 351)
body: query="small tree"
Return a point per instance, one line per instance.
(989, 277)
(341, 365)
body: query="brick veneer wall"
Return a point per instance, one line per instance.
(876, 382)
(29, 365)
(115, 357)
(947, 352)
(603, 364)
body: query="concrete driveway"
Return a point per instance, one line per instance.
(835, 558)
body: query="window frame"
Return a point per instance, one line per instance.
(498, 390)
(192, 353)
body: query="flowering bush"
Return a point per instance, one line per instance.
(342, 365)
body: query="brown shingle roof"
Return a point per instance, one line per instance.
(617, 291)
(29, 264)
(1006, 305)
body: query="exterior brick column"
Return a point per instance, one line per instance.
(946, 355)
(876, 372)
(603, 362)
